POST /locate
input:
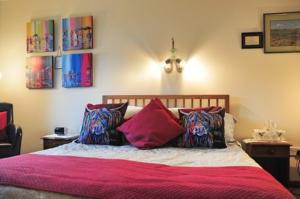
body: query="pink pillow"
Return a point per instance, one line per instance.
(159, 102)
(152, 127)
(3, 124)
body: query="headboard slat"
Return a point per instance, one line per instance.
(146, 98)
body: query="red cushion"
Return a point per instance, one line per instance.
(159, 102)
(151, 127)
(3, 124)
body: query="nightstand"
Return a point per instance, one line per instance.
(53, 140)
(272, 156)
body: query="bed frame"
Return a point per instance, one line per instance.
(184, 101)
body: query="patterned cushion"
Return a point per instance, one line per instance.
(203, 129)
(99, 126)
(229, 120)
(183, 111)
(121, 106)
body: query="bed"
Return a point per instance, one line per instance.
(103, 171)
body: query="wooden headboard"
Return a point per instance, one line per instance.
(180, 101)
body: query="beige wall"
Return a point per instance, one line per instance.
(132, 38)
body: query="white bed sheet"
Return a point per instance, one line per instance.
(233, 155)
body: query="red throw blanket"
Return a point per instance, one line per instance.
(105, 178)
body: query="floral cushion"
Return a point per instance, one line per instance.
(99, 126)
(203, 129)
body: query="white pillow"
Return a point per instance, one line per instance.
(174, 111)
(229, 121)
(131, 110)
(229, 127)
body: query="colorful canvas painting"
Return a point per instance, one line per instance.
(39, 72)
(40, 36)
(77, 70)
(77, 33)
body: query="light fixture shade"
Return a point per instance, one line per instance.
(168, 61)
(169, 66)
(173, 62)
(179, 67)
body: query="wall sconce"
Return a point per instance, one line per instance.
(173, 62)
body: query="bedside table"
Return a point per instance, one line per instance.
(274, 157)
(53, 140)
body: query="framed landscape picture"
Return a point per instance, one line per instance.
(77, 70)
(252, 40)
(40, 36)
(39, 72)
(282, 32)
(77, 33)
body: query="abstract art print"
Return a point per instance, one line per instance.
(77, 33)
(39, 72)
(77, 70)
(282, 32)
(40, 36)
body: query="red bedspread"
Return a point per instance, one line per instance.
(104, 178)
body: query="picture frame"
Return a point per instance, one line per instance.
(40, 36)
(282, 32)
(252, 40)
(77, 70)
(77, 33)
(39, 72)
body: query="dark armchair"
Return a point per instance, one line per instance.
(12, 145)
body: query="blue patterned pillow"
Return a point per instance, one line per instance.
(203, 129)
(99, 126)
